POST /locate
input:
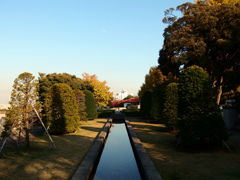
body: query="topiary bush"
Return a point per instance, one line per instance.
(170, 110)
(200, 119)
(63, 110)
(91, 108)
(80, 100)
(157, 101)
(146, 103)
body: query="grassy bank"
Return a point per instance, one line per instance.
(44, 163)
(172, 163)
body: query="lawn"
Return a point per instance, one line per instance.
(44, 163)
(173, 163)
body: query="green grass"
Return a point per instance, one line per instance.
(174, 164)
(44, 163)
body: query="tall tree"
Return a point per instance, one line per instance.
(24, 99)
(152, 80)
(99, 89)
(217, 2)
(207, 36)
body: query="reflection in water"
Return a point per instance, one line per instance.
(117, 160)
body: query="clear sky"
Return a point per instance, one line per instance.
(118, 40)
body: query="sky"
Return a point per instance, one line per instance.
(117, 40)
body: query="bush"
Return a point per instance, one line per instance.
(80, 100)
(91, 109)
(146, 103)
(132, 112)
(105, 113)
(63, 110)
(200, 117)
(157, 101)
(170, 114)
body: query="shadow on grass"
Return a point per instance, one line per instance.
(44, 163)
(173, 163)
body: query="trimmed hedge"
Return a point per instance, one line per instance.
(105, 113)
(131, 113)
(200, 119)
(91, 108)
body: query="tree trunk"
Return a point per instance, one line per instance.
(219, 90)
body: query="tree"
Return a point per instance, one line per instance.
(46, 81)
(80, 100)
(170, 111)
(91, 109)
(217, 2)
(24, 99)
(199, 117)
(62, 110)
(212, 42)
(152, 80)
(101, 92)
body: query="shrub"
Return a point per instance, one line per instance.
(170, 115)
(200, 117)
(105, 113)
(91, 109)
(80, 100)
(146, 103)
(157, 101)
(131, 112)
(63, 109)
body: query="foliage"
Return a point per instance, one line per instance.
(128, 97)
(91, 109)
(217, 2)
(101, 92)
(170, 114)
(212, 42)
(199, 116)
(21, 115)
(62, 110)
(105, 113)
(80, 100)
(146, 103)
(152, 81)
(131, 112)
(157, 101)
(47, 80)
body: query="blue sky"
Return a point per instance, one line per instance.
(118, 40)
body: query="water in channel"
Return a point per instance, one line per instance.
(117, 161)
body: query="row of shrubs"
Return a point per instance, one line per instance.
(187, 105)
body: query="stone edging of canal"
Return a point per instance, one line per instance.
(147, 168)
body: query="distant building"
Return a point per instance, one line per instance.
(123, 94)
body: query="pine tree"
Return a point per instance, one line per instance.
(24, 99)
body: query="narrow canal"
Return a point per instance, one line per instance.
(117, 160)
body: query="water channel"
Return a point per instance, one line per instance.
(117, 160)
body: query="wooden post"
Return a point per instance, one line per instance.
(45, 128)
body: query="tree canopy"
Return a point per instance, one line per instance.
(152, 80)
(207, 36)
(24, 99)
(99, 89)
